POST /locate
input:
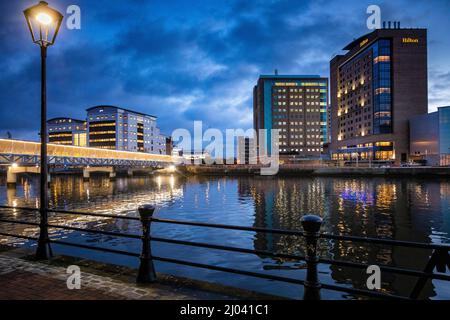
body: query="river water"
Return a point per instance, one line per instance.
(402, 209)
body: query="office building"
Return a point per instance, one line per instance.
(430, 137)
(296, 105)
(375, 88)
(246, 150)
(169, 146)
(115, 128)
(159, 143)
(67, 131)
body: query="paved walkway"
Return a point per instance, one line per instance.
(22, 285)
(23, 279)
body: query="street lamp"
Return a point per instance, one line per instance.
(44, 23)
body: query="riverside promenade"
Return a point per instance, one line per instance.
(21, 278)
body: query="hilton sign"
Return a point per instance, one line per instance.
(410, 40)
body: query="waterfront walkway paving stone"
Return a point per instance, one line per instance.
(22, 279)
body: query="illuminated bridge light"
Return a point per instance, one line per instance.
(18, 147)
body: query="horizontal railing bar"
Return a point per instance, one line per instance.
(231, 270)
(300, 233)
(20, 208)
(107, 233)
(83, 246)
(249, 251)
(75, 213)
(256, 229)
(5, 234)
(20, 222)
(229, 227)
(278, 278)
(243, 250)
(373, 294)
(302, 258)
(399, 243)
(387, 268)
(94, 214)
(217, 268)
(227, 248)
(249, 273)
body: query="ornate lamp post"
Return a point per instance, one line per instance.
(44, 23)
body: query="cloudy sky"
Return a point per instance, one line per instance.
(186, 60)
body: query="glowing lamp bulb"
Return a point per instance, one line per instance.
(44, 19)
(14, 165)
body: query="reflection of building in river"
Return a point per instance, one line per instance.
(99, 195)
(445, 207)
(369, 208)
(280, 204)
(120, 195)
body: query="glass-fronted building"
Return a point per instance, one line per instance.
(430, 137)
(375, 88)
(382, 113)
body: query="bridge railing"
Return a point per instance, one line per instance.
(29, 148)
(439, 254)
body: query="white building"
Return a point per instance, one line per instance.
(110, 127)
(159, 142)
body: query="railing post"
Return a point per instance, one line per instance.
(311, 225)
(44, 250)
(440, 259)
(146, 273)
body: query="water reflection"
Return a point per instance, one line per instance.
(414, 210)
(397, 209)
(99, 195)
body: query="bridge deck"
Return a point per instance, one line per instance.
(32, 149)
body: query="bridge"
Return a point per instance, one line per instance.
(22, 156)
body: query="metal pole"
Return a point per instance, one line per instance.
(146, 272)
(311, 225)
(43, 249)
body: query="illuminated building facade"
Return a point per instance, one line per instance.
(246, 150)
(297, 106)
(115, 128)
(67, 131)
(375, 88)
(430, 137)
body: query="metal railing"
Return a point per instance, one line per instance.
(439, 259)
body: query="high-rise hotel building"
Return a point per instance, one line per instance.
(297, 106)
(375, 88)
(115, 128)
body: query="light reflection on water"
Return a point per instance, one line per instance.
(414, 210)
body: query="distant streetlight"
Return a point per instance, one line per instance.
(44, 23)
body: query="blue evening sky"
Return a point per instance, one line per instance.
(186, 60)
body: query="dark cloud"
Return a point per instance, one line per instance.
(187, 60)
